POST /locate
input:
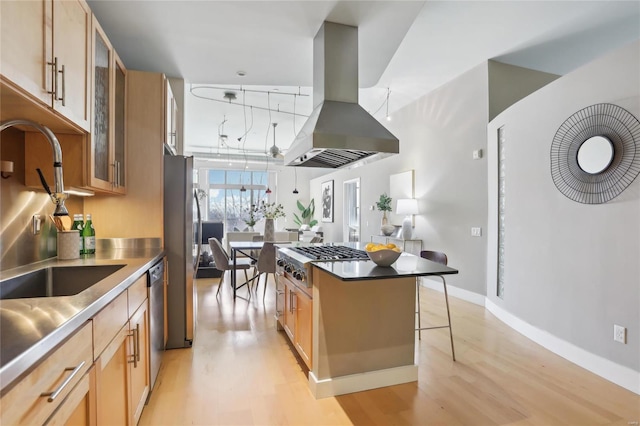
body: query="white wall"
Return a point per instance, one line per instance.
(571, 269)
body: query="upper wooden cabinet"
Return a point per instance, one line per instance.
(46, 57)
(107, 160)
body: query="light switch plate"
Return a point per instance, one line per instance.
(477, 154)
(36, 224)
(476, 231)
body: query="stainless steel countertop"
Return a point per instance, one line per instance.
(30, 328)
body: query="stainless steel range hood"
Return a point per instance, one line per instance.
(339, 132)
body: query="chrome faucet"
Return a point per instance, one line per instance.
(58, 195)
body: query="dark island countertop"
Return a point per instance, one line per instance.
(31, 327)
(407, 265)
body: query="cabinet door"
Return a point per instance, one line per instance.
(119, 123)
(56, 376)
(101, 147)
(71, 38)
(111, 381)
(25, 43)
(289, 309)
(171, 110)
(303, 340)
(139, 362)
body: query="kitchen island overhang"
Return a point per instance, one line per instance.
(363, 323)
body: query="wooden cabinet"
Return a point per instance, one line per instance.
(289, 323)
(79, 407)
(45, 54)
(171, 118)
(96, 160)
(297, 319)
(139, 383)
(303, 338)
(107, 169)
(122, 364)
(35, 398)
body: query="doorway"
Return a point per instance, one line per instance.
(351, 224)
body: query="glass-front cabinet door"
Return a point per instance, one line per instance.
(119, 130)
(107, 149)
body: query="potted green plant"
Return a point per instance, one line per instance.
(384, 205)
(306, 215)
(252, 217)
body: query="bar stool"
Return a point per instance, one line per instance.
(441, 258)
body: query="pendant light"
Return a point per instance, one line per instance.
(295, 186)
(244, 152)
(268, 191)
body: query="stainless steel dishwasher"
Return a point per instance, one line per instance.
(155, 291)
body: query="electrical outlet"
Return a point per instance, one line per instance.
(36, 224)
(476, 231)
(619, 333)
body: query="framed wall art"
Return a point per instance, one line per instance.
(327, 201)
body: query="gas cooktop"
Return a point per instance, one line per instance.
(331, 252)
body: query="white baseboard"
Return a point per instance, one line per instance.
(618, 374)
(469, 296)
(360, 382)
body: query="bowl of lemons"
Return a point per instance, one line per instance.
(383, 254)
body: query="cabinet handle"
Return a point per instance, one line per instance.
(54, 394)
(63, 98)
(54, 78)
(137, 343)
(135, 333)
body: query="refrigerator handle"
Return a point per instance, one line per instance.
(196, 263)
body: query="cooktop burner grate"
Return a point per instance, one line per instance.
(331, 253)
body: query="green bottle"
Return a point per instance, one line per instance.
(89, 237)
(78, 224)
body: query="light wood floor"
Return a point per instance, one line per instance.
(241, 371)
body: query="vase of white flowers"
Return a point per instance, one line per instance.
(270, 211)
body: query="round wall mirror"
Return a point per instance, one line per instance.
(595, 154)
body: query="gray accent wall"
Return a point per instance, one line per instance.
(571, 269)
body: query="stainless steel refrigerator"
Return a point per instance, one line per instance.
(178, 242)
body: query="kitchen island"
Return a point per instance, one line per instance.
(362, 322)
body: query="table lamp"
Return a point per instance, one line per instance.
(407, 207)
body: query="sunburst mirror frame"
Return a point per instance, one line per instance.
(621, 129)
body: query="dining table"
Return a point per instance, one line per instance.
(248, 249)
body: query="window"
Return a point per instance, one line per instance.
(226, 202)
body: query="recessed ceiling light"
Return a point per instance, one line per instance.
(241, 73)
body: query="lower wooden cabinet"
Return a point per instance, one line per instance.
(139, 362)
(99, 375)
(121, 345)
(36, 397)
(79, 407)
(297, 319)
(304, 308)
(122, 372)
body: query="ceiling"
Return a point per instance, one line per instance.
(406, 49)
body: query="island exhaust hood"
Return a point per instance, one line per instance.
(339, 132)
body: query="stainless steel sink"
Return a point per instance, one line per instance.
(55, 281)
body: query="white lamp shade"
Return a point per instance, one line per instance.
(407, 206)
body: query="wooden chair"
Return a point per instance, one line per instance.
(223, 263)
(441, 258)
